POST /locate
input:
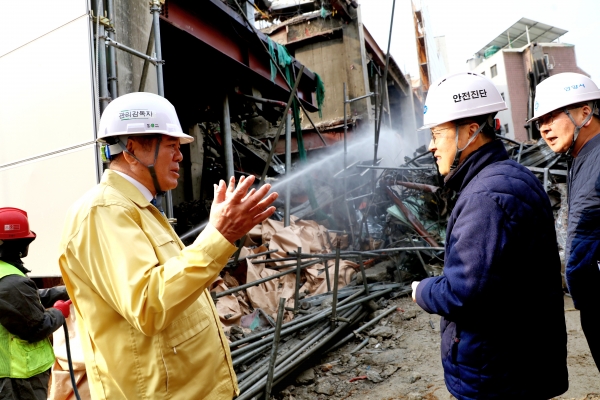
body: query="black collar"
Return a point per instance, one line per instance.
(487, 154)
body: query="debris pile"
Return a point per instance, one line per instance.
(305, 285)
(291, 292)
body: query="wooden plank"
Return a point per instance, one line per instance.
(355, 66)
(326, 58)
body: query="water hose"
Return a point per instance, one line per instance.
(71, 373)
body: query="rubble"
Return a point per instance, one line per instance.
(306, 377)
(382, 331)
(324, 387)
(378, 273)
(374, 376)
(387, 233)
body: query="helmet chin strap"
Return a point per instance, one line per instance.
(459, 150)
(159, 192)
(578, 127)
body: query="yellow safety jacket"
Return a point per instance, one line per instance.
(19, 358)
(149, 328)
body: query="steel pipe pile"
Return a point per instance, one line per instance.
(260, 366)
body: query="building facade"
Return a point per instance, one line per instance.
(510, 65)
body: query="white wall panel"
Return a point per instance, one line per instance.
(46, 188)
(23, 21)
(46, 118)
(46, 99)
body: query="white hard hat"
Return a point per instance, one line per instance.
(140, 113)
(460, 95)
(562, 90)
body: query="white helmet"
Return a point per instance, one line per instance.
(460, 95)
(562, 90)
(139, 113)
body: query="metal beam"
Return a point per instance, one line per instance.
(219, 27)
(312, 141)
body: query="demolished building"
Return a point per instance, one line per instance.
(344, 52)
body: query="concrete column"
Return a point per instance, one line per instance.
(227, 142)
(197, 160)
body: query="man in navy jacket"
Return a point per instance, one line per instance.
(500, 298)
(566, 113)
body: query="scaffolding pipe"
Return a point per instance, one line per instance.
(102, 75)
(251, 256)
(155, 7)
(336, 279)
(276, 139)
(155, 10)
(376, 117)
(273, 358)
(327, 276)
(259, 372)
(121, 46)
(249, 377)
(149, 48)
(288, 167)
(111, 52)
(308, 322)
(259, 281)
(308, 264)
(297, 358)
(298, 280)
(360, 346)
(358, 98)
(237, 361)
(370, 253)
(345, 133)
(387, 64)
(363, 274)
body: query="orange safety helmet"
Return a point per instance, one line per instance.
(14, 224)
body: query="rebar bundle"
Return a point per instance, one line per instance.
(261, 365)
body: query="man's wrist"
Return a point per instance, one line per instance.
(414, 286)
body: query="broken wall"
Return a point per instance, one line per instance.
(335, 51)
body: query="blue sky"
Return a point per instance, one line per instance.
(471, 24)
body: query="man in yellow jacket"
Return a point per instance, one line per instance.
(148, 324)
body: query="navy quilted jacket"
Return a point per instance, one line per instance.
(503, 328)
(583, 228)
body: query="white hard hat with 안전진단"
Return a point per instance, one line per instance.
(458, 96)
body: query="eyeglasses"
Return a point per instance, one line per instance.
(548, 119)
(437, 133)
